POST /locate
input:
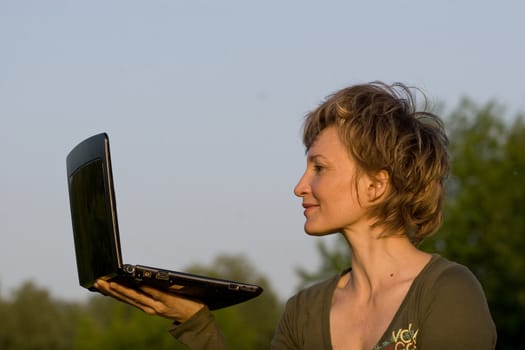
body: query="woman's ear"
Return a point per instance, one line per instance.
(378, 185)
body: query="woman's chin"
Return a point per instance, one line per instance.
(317, 231)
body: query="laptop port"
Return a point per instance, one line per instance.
(161, 275)
(233, 287)
(248, 288)
(129, 269)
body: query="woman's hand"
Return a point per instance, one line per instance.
(152, 301)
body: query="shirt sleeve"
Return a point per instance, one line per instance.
(285, 337)
(200, 332)
(457, 315)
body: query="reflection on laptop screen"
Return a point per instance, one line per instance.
(94, 244)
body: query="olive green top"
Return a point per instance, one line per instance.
(445, 308)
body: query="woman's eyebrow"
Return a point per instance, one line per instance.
(316, 156)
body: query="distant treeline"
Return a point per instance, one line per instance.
(32, 319)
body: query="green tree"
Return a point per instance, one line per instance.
(484, 222)
(250, 325)
(32, 320)
(109, 324)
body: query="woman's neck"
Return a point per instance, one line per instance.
(380, 262)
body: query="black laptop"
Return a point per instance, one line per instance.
(97, 241)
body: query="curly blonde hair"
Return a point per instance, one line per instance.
(382, 130)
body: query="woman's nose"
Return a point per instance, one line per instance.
(302, 187)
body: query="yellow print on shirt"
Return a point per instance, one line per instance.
(402, 339)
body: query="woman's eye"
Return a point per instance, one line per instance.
(318, 168)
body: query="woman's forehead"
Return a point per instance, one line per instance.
(327, 144)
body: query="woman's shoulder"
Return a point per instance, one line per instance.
(446, 273)
(304, 323)
(442, 301)
(444, 282)
(318, 291)
(305, 319)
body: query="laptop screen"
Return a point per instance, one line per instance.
(93, 225)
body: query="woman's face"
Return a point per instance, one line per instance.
(328, 187)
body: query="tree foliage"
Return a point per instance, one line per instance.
(250, 325)
(32, 320)
(108, 324)
(484, 226)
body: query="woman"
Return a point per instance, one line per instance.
(375, 173)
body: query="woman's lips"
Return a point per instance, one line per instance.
(308, 207)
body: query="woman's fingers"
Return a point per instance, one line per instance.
(125, 294)
(155, 293)
(151, 300)
(171, 305)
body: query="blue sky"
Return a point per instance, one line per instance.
(203, 102)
